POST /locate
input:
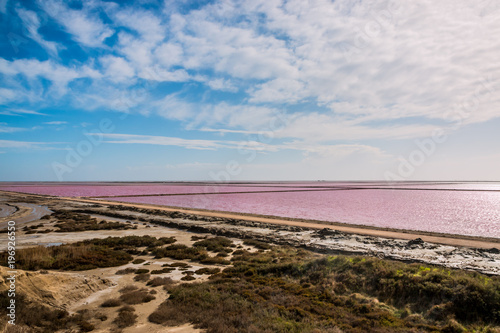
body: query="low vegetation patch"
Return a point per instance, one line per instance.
(257, 244)
(34, 229)
(178, 264)
(128, 288)
(292, 290)
(215, 244)
(136, 296)
(70, 221)
(131, 242)
(163, 270)
(74, 257)
(188, 278)
(142, 277)
(207, 271)
(111, 303)
(138, 261)
(160, 281)
(199, 251)
(34, 317)
(128, 270)
(126, 317)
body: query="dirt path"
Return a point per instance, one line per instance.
(455, 240)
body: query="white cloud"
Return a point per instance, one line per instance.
(278, 90)
(378, 60)
(7, 95)
(162, 141)
(32, 23)
(55, 122)
(311, 151)
(86, 27)
(19, 112)
(20, 144)
(147, 24)
(137, 51)
(117, 68)
(197, 144)
(58, 74)
(342, 70)
(247, 117)
(4, 128)
(169, 54)
(172, 107)
(221, 84)
(316, 127)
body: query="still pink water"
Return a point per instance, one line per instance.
(474, 210)
(464, 213)
(121, 190)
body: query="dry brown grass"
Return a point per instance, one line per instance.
(160, 281)
(111, 303)
(142, 277)
(136, 297)
(126, 317)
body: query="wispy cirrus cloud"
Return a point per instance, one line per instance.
(56, 122)
(84, 25)
(20, 112)
(166, 141)
(30, 145)
(31, 22)
(5, 128)
(330, 151)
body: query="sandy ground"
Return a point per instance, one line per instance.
(454, 240)
(93, 302)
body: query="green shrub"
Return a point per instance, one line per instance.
(290, 290)
(138, 261)
(68, 257)
(257, 244)
(208, 271)
(215, 244)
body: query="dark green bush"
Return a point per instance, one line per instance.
(68, 257)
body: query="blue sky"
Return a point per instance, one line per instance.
(249, 90)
